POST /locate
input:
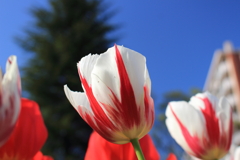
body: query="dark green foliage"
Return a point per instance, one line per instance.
(60, 36)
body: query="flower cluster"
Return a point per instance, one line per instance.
(117, 104)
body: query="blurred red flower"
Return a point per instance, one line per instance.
(99, 148)
(28, 136)
(171, 157)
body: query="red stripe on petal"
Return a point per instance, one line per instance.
(128, 105)
(229, 134)
(192, 141)
(95, 106)
(9, 61)
(97, 125)
(212, 122)
(149, 106)
(115, 114)
(28, 135)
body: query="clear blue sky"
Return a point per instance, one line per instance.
(177, 37)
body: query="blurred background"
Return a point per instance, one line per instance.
(178, 38)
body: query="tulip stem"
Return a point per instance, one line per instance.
(137, 149)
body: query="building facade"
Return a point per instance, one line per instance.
(223, 79)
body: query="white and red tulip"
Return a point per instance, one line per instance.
(202, 127)
(10, 94)
(117, 101)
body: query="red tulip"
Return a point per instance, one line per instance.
(171, 157)
(99, 148)
(203, 127)
(117, 101)
(28, 135)
(10, 93)
(40, 156)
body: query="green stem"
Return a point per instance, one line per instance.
(137, 149)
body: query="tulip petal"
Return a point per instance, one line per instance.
(197, 101)
(85, 67)
(225, 114)
(225, 123)
(121, 79)
(81, 104)
(28, 135)
(171, 156)
(10, 93)
(40, 156)
(135, 65)
(120, 63)
(99, 148)
(208, 105)
(184, 123)
(78, 100)
(237, 153)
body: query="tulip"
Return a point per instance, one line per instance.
(28, 136)
(117, 101)
(10, 94)
(202, 127)
(99, 148)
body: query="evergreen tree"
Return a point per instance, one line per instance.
(60, 36)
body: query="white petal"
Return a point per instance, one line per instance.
(106, 72)
(10, 94)
(78, 100)
(105, 78)
(190, 117)
(147, 79)
(103, 94)
(12, 76)
(225, 112)
(85, 66)
(135, 64)
(198, 103)
(237, 154)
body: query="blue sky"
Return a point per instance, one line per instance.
(177, 37)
